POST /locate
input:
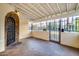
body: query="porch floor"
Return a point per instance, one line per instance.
(36, 47)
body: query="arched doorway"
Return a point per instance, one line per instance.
(11, 28)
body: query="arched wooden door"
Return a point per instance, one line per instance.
(10, 30)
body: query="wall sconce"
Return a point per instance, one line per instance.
(17, 12)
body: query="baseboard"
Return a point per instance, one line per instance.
(25, 38)
(70, 47)
(65, 45)
(38, 38)
(54, 41)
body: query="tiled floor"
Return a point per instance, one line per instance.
(36, 47)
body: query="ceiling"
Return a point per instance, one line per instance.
(36, 11)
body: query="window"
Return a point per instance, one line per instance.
(76, 22)
(52, 25)
(69, 24)
(39, 26)
(30, 26)
(47, 25)
(43, 26)
(56, 24)
(64, 24)
(35, 28)
(75, 26)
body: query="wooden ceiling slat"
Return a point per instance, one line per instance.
(59, 8)
(38, 11)
(42, 10)
(30, 10)
(77, 6)
(25, 11)
(50, 8)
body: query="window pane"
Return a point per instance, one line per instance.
(77, 21)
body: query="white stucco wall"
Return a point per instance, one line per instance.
(23, 28)
(67, 38)
(4, 9)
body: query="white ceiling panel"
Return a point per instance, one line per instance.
(35, 11)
